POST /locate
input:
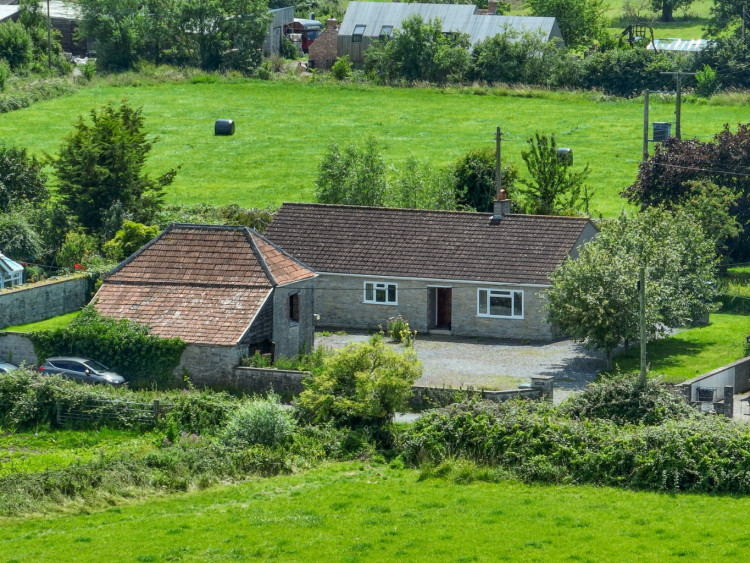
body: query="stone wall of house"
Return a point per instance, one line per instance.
(16, 348)
(261, 331)
(339, 300)
(292, 337)
(323, 51)
(36, 302)
(209, 365)
(249, 380)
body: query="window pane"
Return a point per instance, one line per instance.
(517, 304)
(369, 292)
(380, 295)
(500, 305)
(391, 293)
(359, 29)
(482, 301)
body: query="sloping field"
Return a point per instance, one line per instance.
(283, 127)
(358, 512)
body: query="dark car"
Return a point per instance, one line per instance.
(82, 370)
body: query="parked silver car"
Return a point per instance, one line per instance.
(5, 367)
(82, 370)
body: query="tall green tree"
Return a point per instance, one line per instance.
(552, 189)
(21, 179)
(594, 298)
(582, 22)
(100, 167)
(352, 176)
(474, 179)
(667, 7)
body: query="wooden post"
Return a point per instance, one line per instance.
(498, 163)
(645, 125)
(58, 417)
(157, 410)
(642, 323)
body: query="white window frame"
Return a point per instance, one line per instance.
(506, 293)
(380, 286)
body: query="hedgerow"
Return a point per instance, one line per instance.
(582, 443)
(144, 359)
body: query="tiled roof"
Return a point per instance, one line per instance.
(448, 245)
(201, 283)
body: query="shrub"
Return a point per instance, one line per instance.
(21, 176)
(202, 412)
(342, 68)
(261, 421)
(706, 82)
(131, 237)
(127, 347)
(15, 44)
(361, 385)
(4, 73)
(400, 331)
(288, 49)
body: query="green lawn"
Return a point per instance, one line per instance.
(283, 128)
(357, 512)
(29, 452)
(695, 351)
(61, 321)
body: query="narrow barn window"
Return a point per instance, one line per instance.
(294, 308)
(383, 293)
(386, 31)
(359, 31)
(500, 303)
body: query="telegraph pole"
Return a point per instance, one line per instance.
(645, 125)
(678, 103)
(49, 38)
(498, 165)
(642, 320)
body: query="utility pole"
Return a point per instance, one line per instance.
(645, 125)
(498, 165)
(744, 15)
(642, 320)
(49, 38)
(678, 103)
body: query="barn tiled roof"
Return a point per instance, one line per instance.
(448, 245)
(201, 283)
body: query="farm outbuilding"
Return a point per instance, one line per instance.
(280, 19)
(366, 22)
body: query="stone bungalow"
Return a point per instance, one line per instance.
(226, 291)
(460, 273)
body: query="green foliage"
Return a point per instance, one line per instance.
(129, 239)
(582, 22)
(361, 385)
(4, 73)
(538, 442)
(15, 44)
(667, 7)
(553, 188)
(624, 400)
(398, 330)
(419, 51)
(342, 68)
(21, 178)
(18, 239)
(474, 179)
(706, 82)
(420, 186)
(594, 299)
(88, 70)
(100, 167)
(205, 213)
(288, 49)
(308, 361)
(260, 421)
(125, 346)
(77, 251)
(35, 91)
(730, 55)
(202, 412)
(354, 176)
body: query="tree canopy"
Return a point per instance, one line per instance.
(21, 179)
(594, 298)
(581, 22)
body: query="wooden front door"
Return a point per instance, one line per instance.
(443, 306)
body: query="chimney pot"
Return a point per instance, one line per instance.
(502, 195)
(492, 7)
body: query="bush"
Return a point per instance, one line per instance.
(361, 385)
(342, 68)
(288, 49)
(127, 347)
(131, 237)
(623, 400)
(202, 412)
(15, 44)
(706, 82)
(261, 421)
(4, 73)
(400, 331)
(21, 176)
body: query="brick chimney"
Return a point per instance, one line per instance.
(332, 23)
(492, 7)
(502, 205)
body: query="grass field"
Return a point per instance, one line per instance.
(358, 512)
(692, 352)
(283, 128)
(61, 321)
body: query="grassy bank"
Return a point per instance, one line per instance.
(359, 512)
(60, 321)
(283, 127)
(695, 351)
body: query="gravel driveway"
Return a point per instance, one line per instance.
(485, 363)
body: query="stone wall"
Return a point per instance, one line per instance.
(292, 337)
(37, 302)
(323, 51)
(16, 348)
(735, 375)
(339, 300)
(249, 380)
(209, 365)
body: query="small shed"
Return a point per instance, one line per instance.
(280, 19)
(11, 272)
